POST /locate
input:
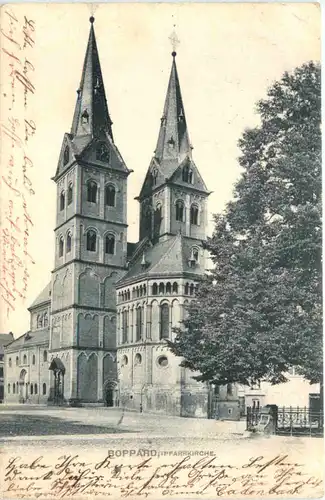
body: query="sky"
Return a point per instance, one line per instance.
(228, 56)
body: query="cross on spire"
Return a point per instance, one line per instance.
(174, 41)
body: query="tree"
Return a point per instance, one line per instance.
(259, 310)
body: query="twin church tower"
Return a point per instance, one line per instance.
(113, 303)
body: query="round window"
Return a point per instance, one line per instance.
(138, 359)
(163, 361)
(124, 360)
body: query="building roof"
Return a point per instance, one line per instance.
(169, 257)
(5, 339)
(30, 339)
(43, 297)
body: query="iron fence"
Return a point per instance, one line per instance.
(290, 421)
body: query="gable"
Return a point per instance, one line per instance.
(197, 180)
(102, 151)
(67, 155)
(155, 177)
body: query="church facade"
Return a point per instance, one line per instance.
(98, 331)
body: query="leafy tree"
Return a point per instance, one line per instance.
(259, 310)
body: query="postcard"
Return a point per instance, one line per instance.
(160, 186)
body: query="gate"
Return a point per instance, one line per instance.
(290, 421)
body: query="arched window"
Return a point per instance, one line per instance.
(128, 295)
(168, 288)
(186, 289)
(139, 323)
(110, 244)
(137, 359)
(92, 191)
(70, 194)
(110, 195)
(154, 175)
(25, 359)
(85, 117)
(125, 327)
(191, 289)
(45, 320)
(91, 241)
(45, 356)
(164, 321)
(17, 361)
(35, 388)
(175, 287)
(61, 246)
(8, 388)
(194, 215)
(161, 288)
(62, 200)
(66, 155)
(44, 389)
(229, 390)
(157, 219)
(14, 388)
(180, 211)
(187, 174)
(9, 362)
(155, 289)
(31, 389)
(69, 242)
(33, 359)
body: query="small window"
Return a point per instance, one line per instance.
(70, 194)
(9, 362)
(163, 361)
(69, 242)
(14, 388)
(187, 287)
(92, 192)
(194, 215)
(168, 288)
(110, 244)
(31, 389)
(229, 389)
(44, 389)
(45, 320)
(17, 361)
(33, 359)
(125, 360)
(155, 289)
(175, 287)
(8, 388)
(91, 241)
(61, 246)
(102, 153)
(180, 211)
(161, 288)
(62, 201)
(85, 117)
(35, 388)
(66, 155)
(45, 356)
(110, 195)
(39, 321)
(25, 359)
(138, 359)
(187, 174)
(138, 323)
(1, 371)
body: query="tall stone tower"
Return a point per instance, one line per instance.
(163, 272)
(90, 245)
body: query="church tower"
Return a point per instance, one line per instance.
(163, 272)
(90, 245)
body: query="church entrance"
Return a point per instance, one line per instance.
(58, 369)
(110, 393)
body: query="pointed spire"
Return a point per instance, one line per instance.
(91, 116)
(173, 140)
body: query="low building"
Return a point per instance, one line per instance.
(26, 360)
(5, 338)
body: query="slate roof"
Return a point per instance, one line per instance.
(166, 258)
(43, 297)
(29, 339)
(5, 339)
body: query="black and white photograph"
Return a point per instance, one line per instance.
(161, 251)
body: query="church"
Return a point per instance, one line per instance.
(98, 331)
